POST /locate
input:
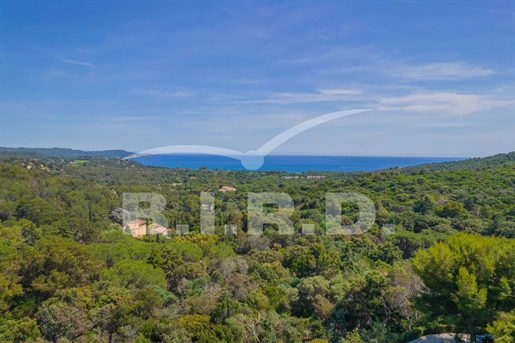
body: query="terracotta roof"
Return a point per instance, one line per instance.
(227, 189)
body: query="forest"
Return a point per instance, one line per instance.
(69, 273)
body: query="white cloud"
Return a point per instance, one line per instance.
(407, 99)
(443, 102)
(438, 71)
(341, 91)
(325, 95)
(87, 64)
(401, 70)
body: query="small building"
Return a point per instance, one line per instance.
(224, 189)
(134, 225)
(156, 229)
(138, 228)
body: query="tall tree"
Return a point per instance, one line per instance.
(470, 279)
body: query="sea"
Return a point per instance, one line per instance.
(290, 163)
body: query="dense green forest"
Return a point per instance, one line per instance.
(70, 274)
(62, 152)
(471, 163)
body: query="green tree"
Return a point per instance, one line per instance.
(57, 263)
(503, 328)
(58, 320)
(424, 205)
(30, 234)
(19, 331)
(309, 291)
(172, 332)
(453, 209)
(37, 210)
(470, 279)
(134, 274)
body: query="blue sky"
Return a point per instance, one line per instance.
(138, 75)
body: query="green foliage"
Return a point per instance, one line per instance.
(7, 250)
(470, 278)
(18, 331)
(172, 332)
(58, 320)
(202, 330)
(134, 274)
(54, 264)
(189, 252)
(113, 252)
(503, 328)
(36, 210)
(68, 273)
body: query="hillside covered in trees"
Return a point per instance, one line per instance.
(471, 163)
(70, 274)
(62, 152)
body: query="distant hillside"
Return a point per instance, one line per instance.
(68, 155)
(62, 152)
(470, 164)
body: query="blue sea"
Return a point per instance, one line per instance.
(290, 163)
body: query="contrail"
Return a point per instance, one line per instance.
(253, 159)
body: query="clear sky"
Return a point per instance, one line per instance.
(137, 75)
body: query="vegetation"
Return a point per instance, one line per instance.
(60, 152)
(70, 274)
(470, 164)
